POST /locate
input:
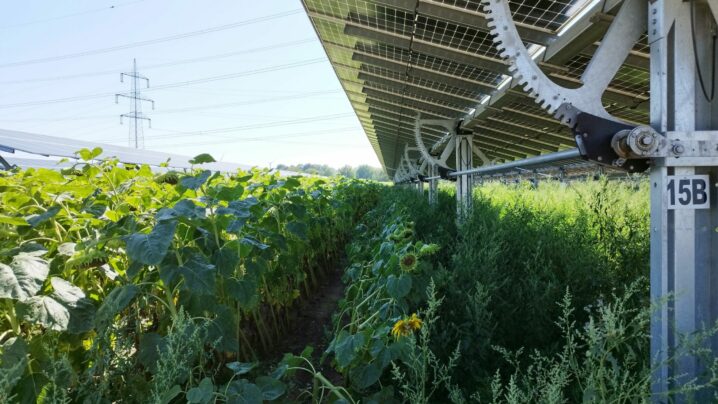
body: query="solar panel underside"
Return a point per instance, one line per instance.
(397, 58)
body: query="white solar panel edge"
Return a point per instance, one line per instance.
(63, 147)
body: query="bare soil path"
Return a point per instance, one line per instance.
(312, 323)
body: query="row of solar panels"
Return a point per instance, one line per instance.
(53, 147)
(398, 58)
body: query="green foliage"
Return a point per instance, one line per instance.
(363, 171)
(119, 283)
(501, 274)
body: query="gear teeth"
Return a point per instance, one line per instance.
(549, 98)
(546, 104)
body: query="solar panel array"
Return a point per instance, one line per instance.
(397, 58)
(54, 147)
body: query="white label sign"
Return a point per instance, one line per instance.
(688, 192)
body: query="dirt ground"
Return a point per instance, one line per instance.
(312, 321)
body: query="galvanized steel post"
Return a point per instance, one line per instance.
(464, 183)
(684, 239)
(433, 184)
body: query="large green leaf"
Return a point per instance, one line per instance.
(152, 345)
(81, 309)
(24, 277)
(13, 359)
(226, 193)
(298, 229)
(226, 259)
(170, 394)
(201, 394)
(271, 388)
(151, 248)
(244, 291)
(198, 275)
(87, 154)
(202, 159)
(240, 209)
(196, 181)
(364, 376)
(346, 348)
(12, 220)
(44, 310)
(186, 208)
(398, 287)
(115, 302)
(36, 220)
(249, 241)
(240, 368)
(243, 392)
(223, 328)
(65, 292)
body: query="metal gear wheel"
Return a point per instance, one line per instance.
(564, 103)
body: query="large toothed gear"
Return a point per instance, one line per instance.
(564, 103)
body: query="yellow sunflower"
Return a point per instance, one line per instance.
(406, 326)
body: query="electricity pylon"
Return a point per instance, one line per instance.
(136, 135)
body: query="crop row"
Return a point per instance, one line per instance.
(120, 283)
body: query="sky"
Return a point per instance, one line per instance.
(246, 81)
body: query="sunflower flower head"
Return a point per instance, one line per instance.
(408, 262)
(406, 326)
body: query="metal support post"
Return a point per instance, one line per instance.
(464, 183)
(420, 187)
(433, 184)
(684, 215)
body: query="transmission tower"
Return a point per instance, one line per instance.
(135, 116)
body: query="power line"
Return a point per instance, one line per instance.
(172, 85)
(242, 74)
(192, 109)
(167, 64)
(336, 131)
(152, 41)
(250, 102)
(94, 10)
(214, 132)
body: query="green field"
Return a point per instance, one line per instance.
(123, 285)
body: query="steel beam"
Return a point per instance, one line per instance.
(537, 134)
(422, 72)
(412, 102)
(415, 97)
(531, 162)
(512, 137)
(452, 99)
(354, 27)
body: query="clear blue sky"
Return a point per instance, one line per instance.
(270, 119)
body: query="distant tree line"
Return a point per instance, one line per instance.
(363, 171)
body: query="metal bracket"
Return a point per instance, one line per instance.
(6, 164)
(690, 149)
(450, 125)
(594, 136)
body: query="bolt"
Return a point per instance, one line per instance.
(678, 149)
(646, 140)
